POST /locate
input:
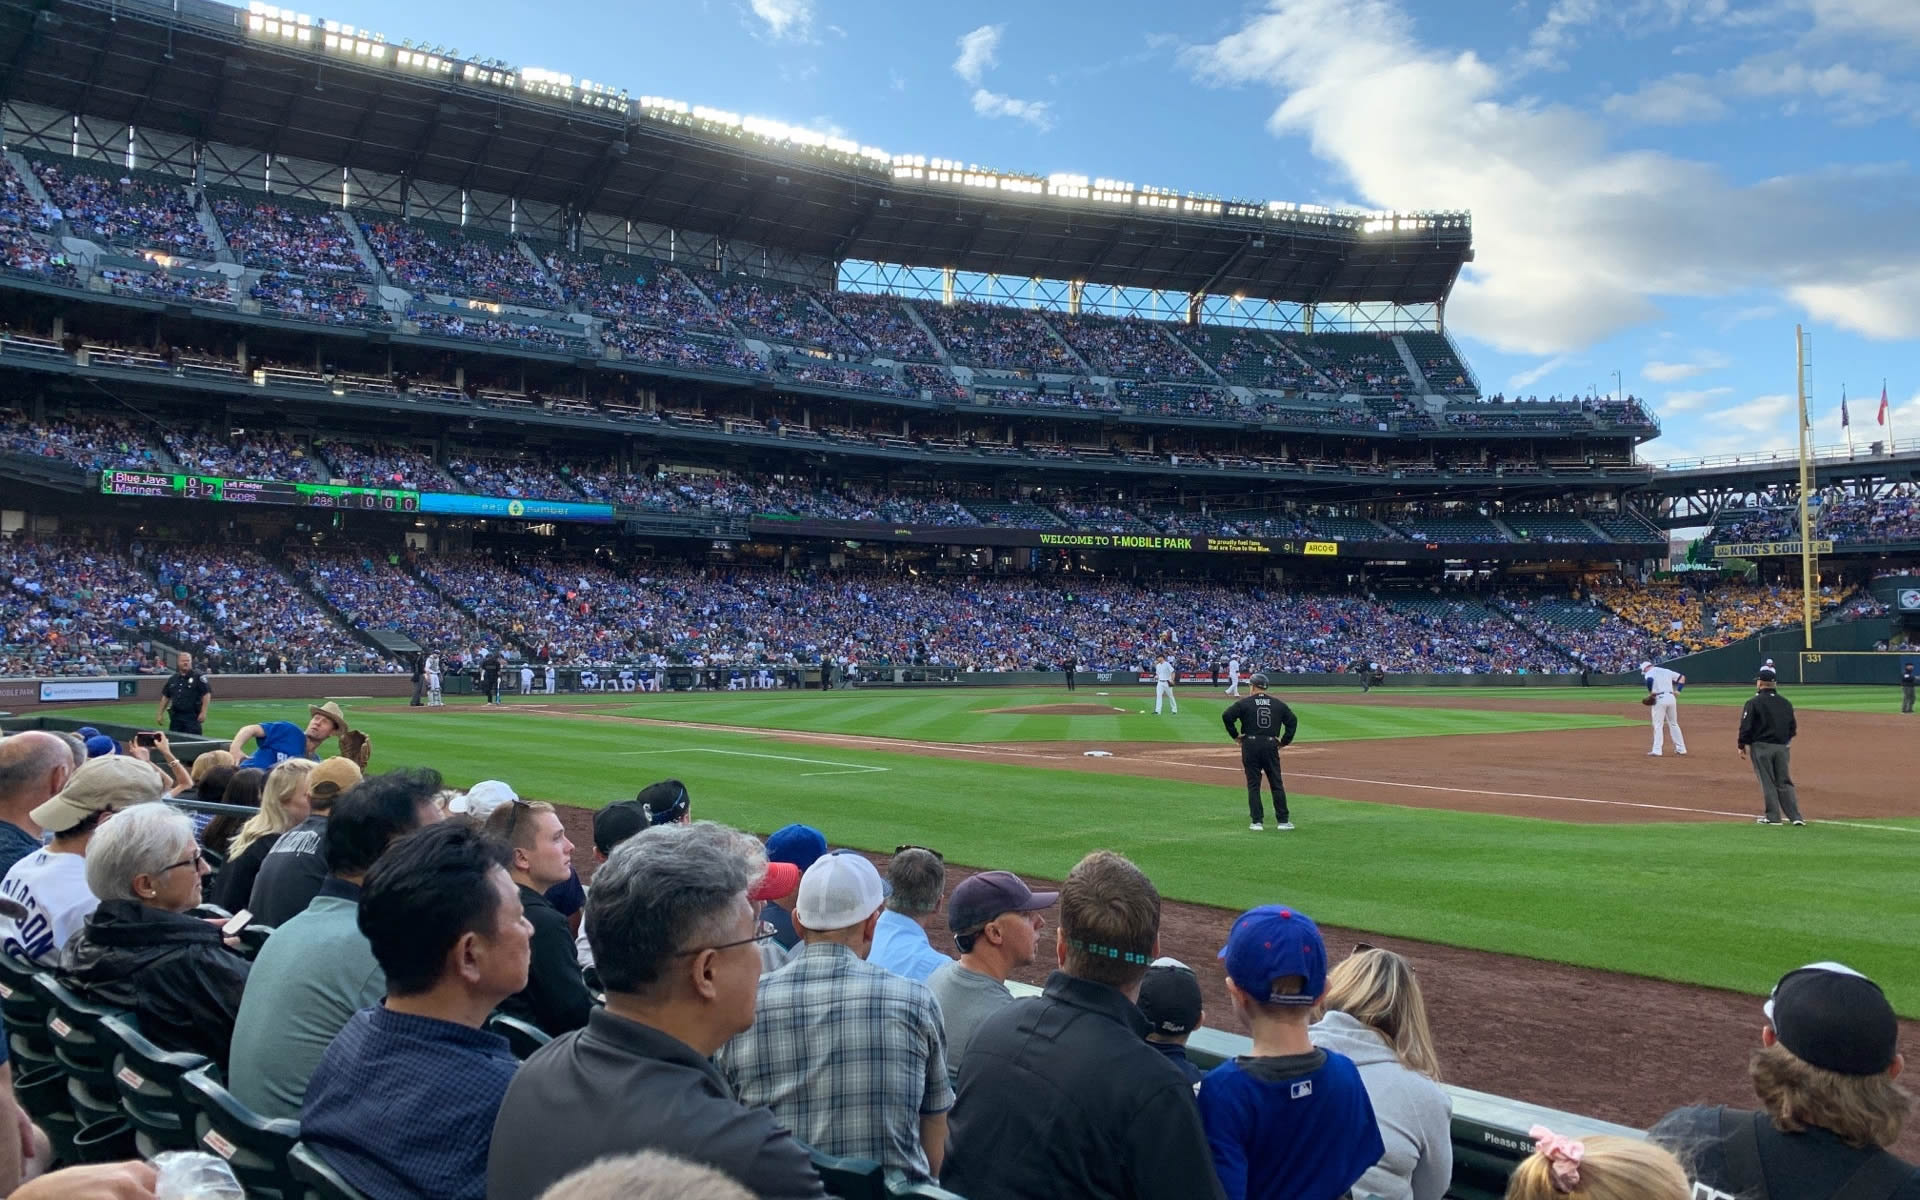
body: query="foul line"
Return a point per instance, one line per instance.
(852, 768)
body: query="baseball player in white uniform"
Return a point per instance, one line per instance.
(526, 679)
(1163, 684)
(549, 679)
(1233, 677)
(433, 681)
(1664, 685)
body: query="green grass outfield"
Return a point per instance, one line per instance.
(1725, 904)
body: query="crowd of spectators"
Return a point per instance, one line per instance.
(295, 241)
(1246, 357)
(653, 295)
(86, 595)
(97, 443)
(196, 287)
(327, 301)
(383, 466)
(514, 478)
(781, 314)
(882, 324)
(374, 591)
(1007, 339)
(456, 263)
(646, 343)
(1354, 362)
(1891, 517)
(140, 213)
(258, 612)
(1131, 348)
(1596, 638)
(30, 254)
(806, 369)
(494, 327)
(247, 454)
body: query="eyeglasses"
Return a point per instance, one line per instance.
(195, 861)
(928, 849)
(513, 818)
(762, 936)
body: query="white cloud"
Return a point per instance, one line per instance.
(1037, 113)
(1678, 402)
(785, 18)
(1899, 18)
(1676, 100)
(1670, 372)
(1532, 375)
(979, 50)
(1762, 414)
(1575, 239)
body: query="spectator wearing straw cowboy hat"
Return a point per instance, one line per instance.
(281, 740)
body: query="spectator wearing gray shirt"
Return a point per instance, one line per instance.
(996, 922)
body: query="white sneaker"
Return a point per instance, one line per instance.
(1653, 754)
(1256, 826)
(1799, 822)
(1284, 825)
(1765, 821)
(1681, 753)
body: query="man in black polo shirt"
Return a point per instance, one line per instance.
(184, 698)
(1907, 682)
(1767, 725)
(671, 918)
(1060, 1094)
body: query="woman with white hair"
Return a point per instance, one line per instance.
(1375, 1015)
(140, 950)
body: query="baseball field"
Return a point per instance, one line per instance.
(1528, 823)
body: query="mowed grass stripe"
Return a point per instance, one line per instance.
(1676, 901)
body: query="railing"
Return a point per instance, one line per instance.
(1822, 455)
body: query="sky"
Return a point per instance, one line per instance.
(1660, 188)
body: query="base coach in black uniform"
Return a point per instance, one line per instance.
(1262, 724)
(184, 698)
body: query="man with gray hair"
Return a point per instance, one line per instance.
(647, 1176)
(34, 766)
(917, 877)
(672, 918)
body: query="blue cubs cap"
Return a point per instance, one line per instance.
(1272, 942)
(796, 844)
(100, 745)
(87, 731)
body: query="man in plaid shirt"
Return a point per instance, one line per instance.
(849, 1056)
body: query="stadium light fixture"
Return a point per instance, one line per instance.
(280, 24)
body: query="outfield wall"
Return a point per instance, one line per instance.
(1847, 647)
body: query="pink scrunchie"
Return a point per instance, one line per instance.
(1563, 1156)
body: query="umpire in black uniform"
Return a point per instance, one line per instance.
(1767, 727)
(184, 698)
(1906, 687)
(1262, 724)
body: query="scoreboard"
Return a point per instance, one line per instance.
(257, 491)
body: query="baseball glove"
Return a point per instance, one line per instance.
(1646, 700)
(356, 745)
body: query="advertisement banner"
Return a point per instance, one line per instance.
(1768, 549)
(79, 689)
(460, 504)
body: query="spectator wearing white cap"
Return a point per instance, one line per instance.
(51, 883)
(996, 924)
(848, 1055)
(1825, 1074)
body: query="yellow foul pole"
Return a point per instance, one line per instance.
(1807, 573)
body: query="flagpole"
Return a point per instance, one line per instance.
(1806, 485)
(1889, 411)
(1845, 424)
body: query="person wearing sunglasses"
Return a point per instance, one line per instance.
(140, 950)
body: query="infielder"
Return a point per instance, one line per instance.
(433, 680)
(1664, 686)
(526, 679)
(1163, 685)
(1263, 725)
(1233, 677)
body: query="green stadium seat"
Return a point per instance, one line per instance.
(899, 1185)
(24, 1009)
(321, 1181)
(42, 1093)
(109, 1139)
(255, 1147)
(850, 1178)
(523, 1038)
(150, 1090)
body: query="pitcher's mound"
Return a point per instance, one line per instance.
(1061, 710)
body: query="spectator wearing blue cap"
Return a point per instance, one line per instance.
(799, 845)
(1289, 1120)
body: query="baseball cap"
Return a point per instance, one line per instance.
(664, 802)
(482, 798)
(1645, 665)
(1833, 1017)
(1768, 673)
(111, 783)
(839, 890)
(796, 844)
(616, 823)
(333, 778)
(780, 881)
(87, 731)
(1257, 679)
(1170, 997)
(1272, 942)
(100, 745)
(980, 898)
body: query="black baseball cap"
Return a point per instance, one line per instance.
(664, 802)
(1170, 997)
(1257, 679)
(617, 822)
(1833, 1017)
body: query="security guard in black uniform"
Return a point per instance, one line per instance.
(1262, 724)
(183, 698)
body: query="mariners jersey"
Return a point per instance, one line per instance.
(1661, 681)
(1260, 716)
(1163, 672)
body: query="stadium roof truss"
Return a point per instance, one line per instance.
(189, 89)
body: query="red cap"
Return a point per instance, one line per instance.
(779, 882)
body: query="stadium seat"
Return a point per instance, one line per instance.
(42, 1093)
(150, 1090)
(256, 1147)
(24, 1008)
(321, 1181)
(109, 1139)
(253, 937)
(850, 1178)
(75, 1026)
(522, 1037)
